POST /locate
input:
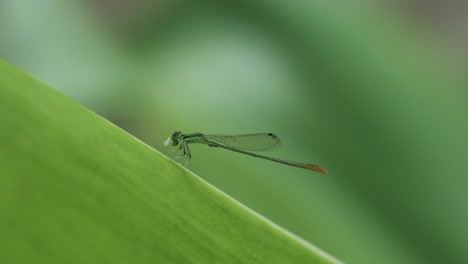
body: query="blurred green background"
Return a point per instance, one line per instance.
(374, 92)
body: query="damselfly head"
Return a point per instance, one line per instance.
(174, 138)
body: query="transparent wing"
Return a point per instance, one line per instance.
(249, 142)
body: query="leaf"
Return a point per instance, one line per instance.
(74, 188)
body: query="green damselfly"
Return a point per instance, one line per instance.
(239, 143)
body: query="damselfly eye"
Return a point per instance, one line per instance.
(176, 134)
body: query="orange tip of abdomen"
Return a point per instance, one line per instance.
(317, 168)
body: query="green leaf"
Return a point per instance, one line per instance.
(76, 189)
